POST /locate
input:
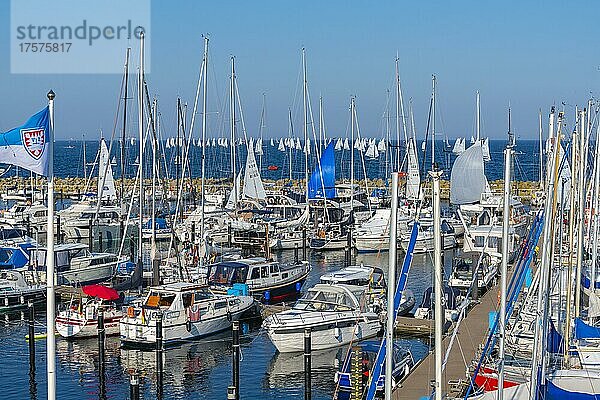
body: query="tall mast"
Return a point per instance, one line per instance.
(154, 144)
(262, 126)
(504, 267)
(352, 105)
(124, 127)
(84, 161)
(432, 121)
(387, 132)
(304, 127)
(232, 111)
(204, 116)
(178, 158)
(580, 210)
(398, 116)
(141, 156)
(478, 117)
(541, 151)
(291, 135)
(438, 284)
(320, 125)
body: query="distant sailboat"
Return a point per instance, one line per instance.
(459, 146)
(346, 144)
(339, 144)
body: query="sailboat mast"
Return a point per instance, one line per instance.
(84, 161)
(438, 285)
(178, 158)
(141, 149)
(321, 125)
(304, 127)
(262, 126)
(581, 210)
(433, 122)
(398, 116)
(204, 117)
(232, 111)
(125, 95)
(291, 135)
(154, 144)
(504, 267)
(541, 132)
(387, 132)
(478, 118)
(352, 155)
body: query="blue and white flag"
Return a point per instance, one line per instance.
(27, 146)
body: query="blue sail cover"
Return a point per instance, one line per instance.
(555, 340)
(323, 177)
(585, 331)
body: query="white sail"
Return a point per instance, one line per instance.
(346, 144)
(357, 144)
(214, 142)
(253, 186)
(371, 150)
(259, 147)
(486, 150)
(105, 174)
(168, 144)
(298, 145)
(382, 146)
(413, 180)
(467, 180)
(281, 146)
(232, 200)
(339, 144)
(306, 146)
(459, 146)
(132, 141)
(272, 143)
(472, 140)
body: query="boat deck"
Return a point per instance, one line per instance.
(470, 335)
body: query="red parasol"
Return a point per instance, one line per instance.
(103, 292)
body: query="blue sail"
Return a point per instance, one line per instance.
(323, 177)
(379, 363)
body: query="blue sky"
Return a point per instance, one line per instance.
(532, 54)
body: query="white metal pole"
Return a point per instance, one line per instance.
(50, 306)
(438, 287)
(432, 121)
(204, 117)
(141, 156)
(504, 267)
(391, 316)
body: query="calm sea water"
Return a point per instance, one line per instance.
(69, 161)
(196, 370)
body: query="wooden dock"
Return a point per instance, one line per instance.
(469, 338)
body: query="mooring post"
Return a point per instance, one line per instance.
(346, 256)
(121, 229)
(58, 229)
(134, 386)
(231, 393)
(131, 249)
(101, 355)
(307, 364)
(159, 357)
(475, 280)
(31, 335)
(100, 244)
(356, 374)
(303, 243)
(236, 358)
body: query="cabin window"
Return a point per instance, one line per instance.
(220, 304)
(493, 242)
(201, 295)
(264, 271)
(255, 273)
(160, 300)
(284, 275)
(187, 299)
(40, 214)
(479, 241)
(274, 268)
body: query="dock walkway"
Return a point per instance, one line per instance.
(470, 336)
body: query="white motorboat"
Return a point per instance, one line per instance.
(463, 270)
(76, 265)
(424, 241)
(15, 292)
(336, 314)
(187, 310)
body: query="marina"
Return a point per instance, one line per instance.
(262, 202)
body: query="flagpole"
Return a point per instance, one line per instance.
(50, 306)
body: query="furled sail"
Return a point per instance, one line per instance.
(253, 186)
(232, 200)
(467, 179)
(413, 181)
(106, 182)
(485, 147)
(322, 180)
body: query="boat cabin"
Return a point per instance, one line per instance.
(179, 296)
(254, 272)
(325, 297)
(71, 256)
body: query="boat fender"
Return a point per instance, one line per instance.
(130, 312)
(337, 332)
(188, 325)
(267, 295)
(229, 317)
(298, 286)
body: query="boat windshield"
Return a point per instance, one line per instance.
(159, 300)
(228, 273)
(319, 300)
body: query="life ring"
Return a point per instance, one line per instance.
(321, 233)
(130, 312)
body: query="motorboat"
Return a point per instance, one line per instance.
(187, 311)
(464, 267)
(16, 292)
(266, 280)
(425, 241)
(336, 315)
(161, 230)
(79, 318)
(76, 265)
(452, 304)
(403, 362)
(373, 279)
